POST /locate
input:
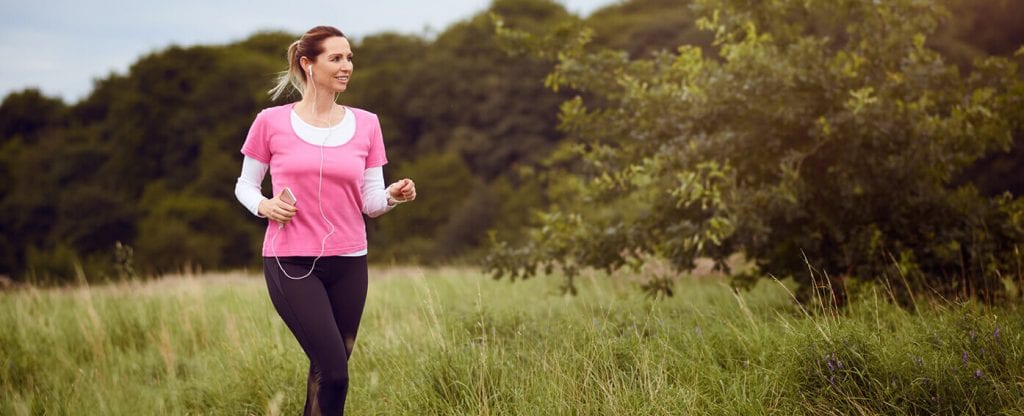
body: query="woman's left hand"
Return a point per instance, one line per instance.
(402, 191)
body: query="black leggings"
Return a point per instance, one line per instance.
(323, 312)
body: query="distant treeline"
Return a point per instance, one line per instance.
(138, 176)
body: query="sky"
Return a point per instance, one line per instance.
(62, 46)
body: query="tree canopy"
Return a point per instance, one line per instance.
(823, 140)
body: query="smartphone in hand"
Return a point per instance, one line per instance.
(288, 196)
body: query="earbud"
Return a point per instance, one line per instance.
(311, 71)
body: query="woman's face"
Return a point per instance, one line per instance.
(333, 67)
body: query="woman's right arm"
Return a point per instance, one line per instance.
(247, 189)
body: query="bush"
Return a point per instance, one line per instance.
(825, 135)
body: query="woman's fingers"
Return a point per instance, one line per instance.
(408, 189)
(287, 212)
(282, 212)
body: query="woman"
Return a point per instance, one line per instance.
(325, 161)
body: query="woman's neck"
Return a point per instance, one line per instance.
(322, 110)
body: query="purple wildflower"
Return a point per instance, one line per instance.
(977, 373)
(996, 335)
(965, 358)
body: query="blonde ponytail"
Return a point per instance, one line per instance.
(293, 76)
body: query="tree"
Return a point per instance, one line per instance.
(975, 29)
(74, 176)
(410, 233)
(181, 231)
(644, 27)
(26, 113)
(462, 96)
(473, 98)
(825, 135)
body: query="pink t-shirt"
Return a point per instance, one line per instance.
(295, 163)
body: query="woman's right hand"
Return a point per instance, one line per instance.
(277, 210)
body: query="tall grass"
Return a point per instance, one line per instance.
(452, 342)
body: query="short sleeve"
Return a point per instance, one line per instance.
(376, 156)
(257, 142)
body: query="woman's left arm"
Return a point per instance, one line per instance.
(378, 200)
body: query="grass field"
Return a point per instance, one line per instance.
(453, 342)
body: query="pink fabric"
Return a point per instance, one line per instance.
(295, 163)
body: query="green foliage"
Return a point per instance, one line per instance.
(825, 135)
(52, 264)
(407, 231)
(183, 231)
(73, 176)
(975, 29)
(471, 97)
(27, 113)
(644, 27)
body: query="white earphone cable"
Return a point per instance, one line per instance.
(319, 194)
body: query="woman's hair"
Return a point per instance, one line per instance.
(309, 45)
